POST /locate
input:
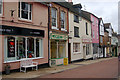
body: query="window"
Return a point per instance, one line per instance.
(76, 18)
(11, 47)
(86, 28)
(93, 20)
(25, 11)
(58, 49)
(22, 47)
(101, 39)
(76, 32)
(93, 35)
(63, 25)
(1, 7)
(87, 49)
(76, 47)
(97, 35)
(54, 17)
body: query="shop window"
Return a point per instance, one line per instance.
(39, 51)
(20, 47)
(11, 47)
(63, 25)
(61, 49)
(30, 48)
(54, 51)
(76, 32)
(1, 7)
(54, 18)
(58, 49)
(25, 11)
(87, 49)
(76, 47)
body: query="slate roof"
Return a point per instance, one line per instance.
(71, 8)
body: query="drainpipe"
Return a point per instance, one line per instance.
(49, 5)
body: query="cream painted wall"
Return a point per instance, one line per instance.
(78, 55)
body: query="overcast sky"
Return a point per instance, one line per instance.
(107, 9)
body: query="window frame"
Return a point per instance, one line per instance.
(76, 18)
(78, 48)
(1, 3)
(20, 11)
(76, 28)
(86, 24)
(54, 27)
(63, 29)
(14, 59)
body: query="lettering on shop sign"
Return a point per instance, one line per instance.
(58, 36)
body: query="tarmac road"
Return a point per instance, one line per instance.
(101, 70)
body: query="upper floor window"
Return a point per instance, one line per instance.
(54, 17)
(101, 39)
(97, 35)
(0, 7)
(76, 32)
(86, 28)
(63, 25)
(76, 18)
(93, 34)
(25, 11)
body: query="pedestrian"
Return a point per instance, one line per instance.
(119, 56)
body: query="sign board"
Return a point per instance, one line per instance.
(58, 36)
(11, 30)
(65, 61)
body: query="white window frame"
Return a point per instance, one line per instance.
(1, 3)
(14, 59)
(75, 47)
(64, 29)
(54, 27)
(20, 17)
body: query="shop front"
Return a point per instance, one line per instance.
(58, 48)
(22, 43)
(87, 48)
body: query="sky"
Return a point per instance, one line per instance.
(105, 9)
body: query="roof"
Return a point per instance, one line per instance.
(72, 8)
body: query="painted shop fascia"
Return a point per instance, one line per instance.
(23, 38)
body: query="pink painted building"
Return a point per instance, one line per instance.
(95, 35)
(24, 28)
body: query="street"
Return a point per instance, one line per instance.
(104, 69)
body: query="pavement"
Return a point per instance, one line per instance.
(52, 70)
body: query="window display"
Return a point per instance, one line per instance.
(11, 47)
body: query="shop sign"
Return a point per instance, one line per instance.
(86, 40)
(58, 36)
(10, 30)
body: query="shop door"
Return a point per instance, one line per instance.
(69, 52)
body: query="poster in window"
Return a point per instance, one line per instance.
(11, 47)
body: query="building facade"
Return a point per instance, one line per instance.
(107, 39)
(86, 36)
(101, 38)
(58, 33)
(95, 35)
(24, 34)
(75, 40)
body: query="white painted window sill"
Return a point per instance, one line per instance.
(53, 27)
(62, 29)
(22, 59)
(26, 20)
